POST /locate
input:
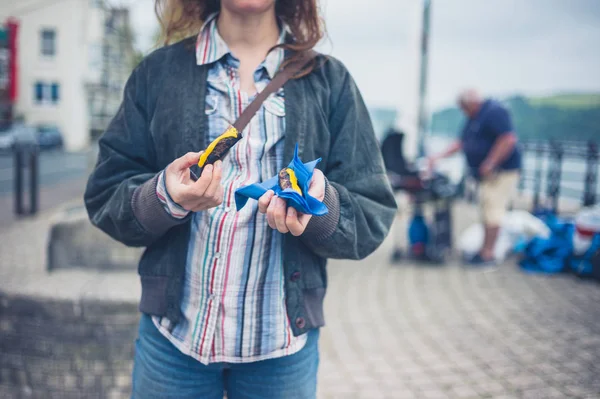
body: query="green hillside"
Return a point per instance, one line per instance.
(568, 100)
(570, 116)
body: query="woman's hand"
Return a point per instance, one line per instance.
(284, 219)
(195, 196)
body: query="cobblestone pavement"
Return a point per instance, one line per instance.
(409, 331)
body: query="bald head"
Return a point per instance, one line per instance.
(470, 101)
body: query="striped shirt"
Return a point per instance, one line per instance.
(233, 299)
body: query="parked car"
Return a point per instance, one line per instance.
(44, 136)
(18, 133)
(49, 137)
(24, 134)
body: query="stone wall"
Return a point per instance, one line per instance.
(67, 329)
(63, 349)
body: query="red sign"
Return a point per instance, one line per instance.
(13, 27)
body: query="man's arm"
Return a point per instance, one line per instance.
(452, 149)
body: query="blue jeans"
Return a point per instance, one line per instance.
(161, 371)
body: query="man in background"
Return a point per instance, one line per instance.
(490, 146)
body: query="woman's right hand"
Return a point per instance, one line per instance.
(195, 196)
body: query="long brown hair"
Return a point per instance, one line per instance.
(182, 18)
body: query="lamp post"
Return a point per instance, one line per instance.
(422, 111)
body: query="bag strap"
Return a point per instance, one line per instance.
(275, 84)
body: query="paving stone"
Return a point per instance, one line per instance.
(560, 378)
(463, 391)
(526, 382)
(402, 395)
(580, 391)
(489, 388)
(542, 393)
(434, 394)
(451, 379)
(370, 393)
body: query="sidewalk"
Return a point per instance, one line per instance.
(411, 331)
(402, 331)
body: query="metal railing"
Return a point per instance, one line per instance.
(550, 158)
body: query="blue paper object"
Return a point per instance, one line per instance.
(302, 203)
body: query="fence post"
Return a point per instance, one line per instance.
(554, 175)
(18, 171)
(524, 149)
(591, 175)
(537, 178)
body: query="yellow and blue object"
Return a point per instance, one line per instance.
(300, 200)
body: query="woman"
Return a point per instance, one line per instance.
(233, 301)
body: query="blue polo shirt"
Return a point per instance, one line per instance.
(481, 132)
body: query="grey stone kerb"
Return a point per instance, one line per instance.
(68, 308)
(74, 243)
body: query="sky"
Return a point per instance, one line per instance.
(501, 47)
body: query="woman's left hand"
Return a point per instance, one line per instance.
(286, 219)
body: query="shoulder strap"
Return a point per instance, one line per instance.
(275, 84)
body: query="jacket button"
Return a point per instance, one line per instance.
(300, 322)
(295, 276)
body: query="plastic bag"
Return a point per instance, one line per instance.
(517, 227)
(587, 224)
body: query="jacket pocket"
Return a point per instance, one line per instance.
(154, 295)
(312, 301)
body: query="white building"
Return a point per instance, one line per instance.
(67, 65)
(117, 58)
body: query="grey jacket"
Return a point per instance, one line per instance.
(162, 117)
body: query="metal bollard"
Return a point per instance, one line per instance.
(18, 168)
(34, 156)
(26, 156)
(591, 175)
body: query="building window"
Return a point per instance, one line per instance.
(46, 93)
(55, 92)
(39, 92)
(48, 42)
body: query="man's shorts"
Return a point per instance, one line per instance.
(495, 193)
